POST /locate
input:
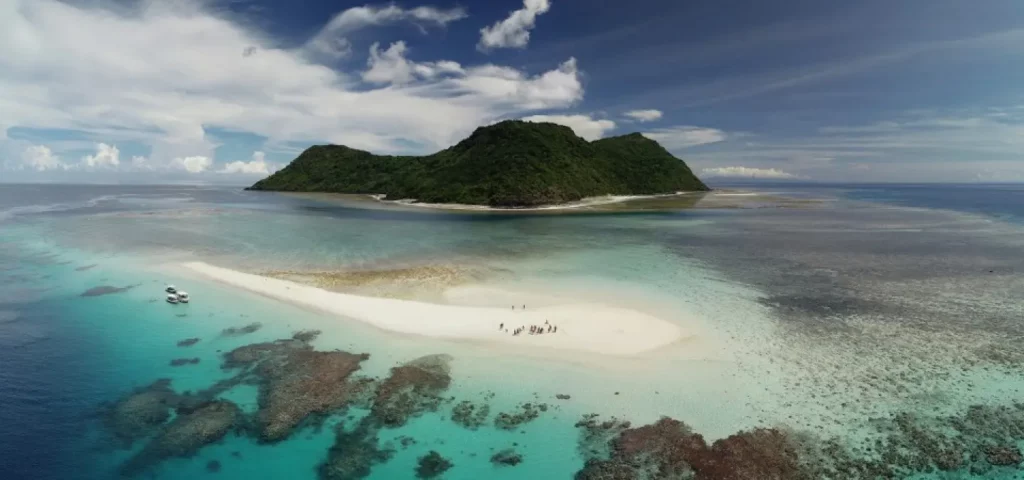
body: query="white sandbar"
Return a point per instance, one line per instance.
(592, 328)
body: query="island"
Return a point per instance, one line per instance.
(511, 164)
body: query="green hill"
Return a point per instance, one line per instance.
(509, 164)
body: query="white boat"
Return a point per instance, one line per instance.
(172, 298)
(171, 289)
(183, 297)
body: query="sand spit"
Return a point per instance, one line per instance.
(594, 328)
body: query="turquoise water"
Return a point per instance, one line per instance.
(826, 320)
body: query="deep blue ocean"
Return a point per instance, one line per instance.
(64, 355)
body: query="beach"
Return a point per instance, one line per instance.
(588, 327)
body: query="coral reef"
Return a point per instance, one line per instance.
(527, 413)
(238, 331)
(305, 382)
(354, 453)
(188, 342)
(295, 382)
(306, 336)
(506, 458)
(470, 415)
(187, 434)
(432, 465)
(140, 414)
(178, 362)
(669, 449)
(105, 290)
(411, 389)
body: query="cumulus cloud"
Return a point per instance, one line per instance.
(583, 125)
(509, 87)
(193, 164)
(747, 172)
(257, 166)
(332, 39)
(107, 156)
(685, 136)
(514, 31)
(644, 115)
(391, 66)
(40, 158)
(161, 73)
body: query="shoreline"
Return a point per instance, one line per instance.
(592, 328)
(582, 203)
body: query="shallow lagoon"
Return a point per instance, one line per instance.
(824, 319)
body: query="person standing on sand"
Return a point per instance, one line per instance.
(501, 326)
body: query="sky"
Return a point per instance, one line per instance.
(227, 91)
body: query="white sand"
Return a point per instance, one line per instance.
(592, 328)
(583, 203)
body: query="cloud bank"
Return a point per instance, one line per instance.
(747, 172)
(162, 74)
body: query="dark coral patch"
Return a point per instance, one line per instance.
(354, 453)
(432, 465)
(470, 415)
(411, 389)
(187, 434)
(105, 290)
(139, 414)
(670, 449)
(506, 458)
(238, 331)
(295, 382)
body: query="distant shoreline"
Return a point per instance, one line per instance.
(582, 203)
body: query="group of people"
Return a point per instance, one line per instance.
(533, 329)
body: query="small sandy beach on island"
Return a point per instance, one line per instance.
(587, 327)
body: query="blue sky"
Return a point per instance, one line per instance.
(227, 91)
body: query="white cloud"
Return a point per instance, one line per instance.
(747, 172)
(583, 125)
(193, 164)
(161, 73)
(332, 41)
(107, 156)
(510, 87)
(514, 31)
(257, 166)
(391, 66)
(685, 136)
(644, 115)
(40, 158)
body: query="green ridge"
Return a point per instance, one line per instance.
(508, 164)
